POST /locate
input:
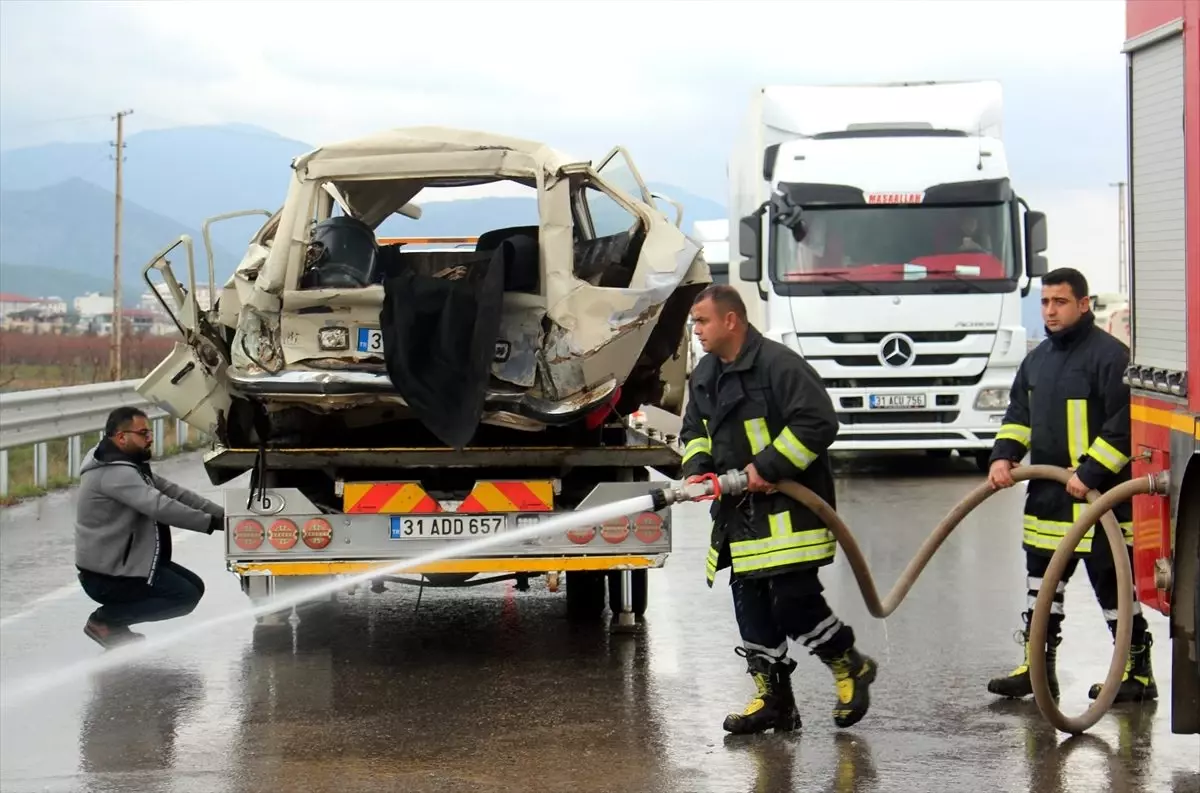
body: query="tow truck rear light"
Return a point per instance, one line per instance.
(318, 533)
(582, 536)
(283, 534)
(248, 534)
(647, 527)
(615, 530)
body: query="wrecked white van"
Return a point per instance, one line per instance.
(330, 335)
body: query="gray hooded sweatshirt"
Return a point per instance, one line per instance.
(121, 507)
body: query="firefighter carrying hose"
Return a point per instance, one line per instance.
(1070, 408)
(755, 405)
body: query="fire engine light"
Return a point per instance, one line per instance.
(248, 534)
(318, 533)
(615, 530)
(283, 534)
(648, 527)
(524, 521)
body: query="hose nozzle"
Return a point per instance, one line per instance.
(709, 487)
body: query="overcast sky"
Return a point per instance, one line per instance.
(550, 70)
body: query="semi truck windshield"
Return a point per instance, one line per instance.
(881, 244)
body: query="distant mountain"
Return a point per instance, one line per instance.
(56, 203)
(186, 174)
(191, 173)
(58, 241)
(55, 282)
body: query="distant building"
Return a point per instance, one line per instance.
(149, 302)
(138, 322)
(92, 305)
(25, 314)
(35, 321)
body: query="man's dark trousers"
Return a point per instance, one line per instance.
(127, 601)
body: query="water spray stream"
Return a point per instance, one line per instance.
(22, 691)
(733, 483)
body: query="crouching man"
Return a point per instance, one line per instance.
(122, 534)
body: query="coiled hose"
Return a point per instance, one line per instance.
(1099, 510)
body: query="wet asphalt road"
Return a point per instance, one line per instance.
(489, 689)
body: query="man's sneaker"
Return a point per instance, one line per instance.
(109, 636)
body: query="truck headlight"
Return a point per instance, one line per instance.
(992, 399)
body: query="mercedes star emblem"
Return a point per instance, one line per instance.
(896, 350)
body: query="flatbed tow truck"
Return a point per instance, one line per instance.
(318, 372)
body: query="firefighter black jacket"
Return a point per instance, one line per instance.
(767, 407)
(1070, 408)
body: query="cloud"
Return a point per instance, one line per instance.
(670, 80)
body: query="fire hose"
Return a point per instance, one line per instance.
(1099, 510)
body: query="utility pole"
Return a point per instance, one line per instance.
(118, 325)
(1122, 268)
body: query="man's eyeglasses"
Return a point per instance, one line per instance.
(146, 433)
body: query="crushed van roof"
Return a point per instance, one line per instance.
(435, 140)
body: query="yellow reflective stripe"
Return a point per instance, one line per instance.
(697, 446)
(790, 447)
(710, 565)
(758, 433)
(1077, 429)
(810, 553)
(800, 539)
(782, 539)
(1107, 455)
(1014, 432)
(1047, 534)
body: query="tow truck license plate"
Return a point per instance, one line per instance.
(428, 527)
(896, 401)
(370, 340)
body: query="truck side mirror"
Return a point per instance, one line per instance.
(748, 246)
(1036, 265)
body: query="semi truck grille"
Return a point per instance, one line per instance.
(917, 336)
(903, 382)
(899, 417)
(944, 359)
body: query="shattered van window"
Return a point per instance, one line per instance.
(466, 211)
(608, 217)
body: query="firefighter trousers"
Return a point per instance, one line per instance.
(1103, 576)
(789, 605)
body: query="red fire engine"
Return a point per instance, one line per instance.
(1163, 124)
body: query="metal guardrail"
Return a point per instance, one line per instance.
(34, 418)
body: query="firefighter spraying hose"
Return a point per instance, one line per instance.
(734, 483)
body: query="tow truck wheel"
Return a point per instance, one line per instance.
(585, 594)
(640, 595)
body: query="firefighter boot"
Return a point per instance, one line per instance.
(853, 674)
(774, 704)
(1016, 684)
(1138, 683)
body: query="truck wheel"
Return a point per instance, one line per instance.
(585, 594)
(982, 460)
(640, 594)
(1185, 650)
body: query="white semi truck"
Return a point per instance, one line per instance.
(879, 236)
